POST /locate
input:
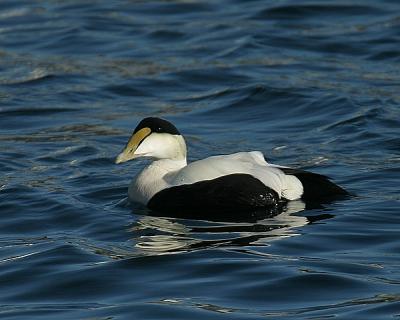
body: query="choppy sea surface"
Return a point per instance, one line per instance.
(311, 84)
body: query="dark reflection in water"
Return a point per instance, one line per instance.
(160, 235)
(311, 85)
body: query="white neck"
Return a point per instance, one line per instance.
(154, 178)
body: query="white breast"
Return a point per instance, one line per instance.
(152, 179)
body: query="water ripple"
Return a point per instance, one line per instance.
(311, 85)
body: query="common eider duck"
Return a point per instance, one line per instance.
(238, 182)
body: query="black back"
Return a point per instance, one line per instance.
(157, 125)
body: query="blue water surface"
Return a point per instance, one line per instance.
(311, 84)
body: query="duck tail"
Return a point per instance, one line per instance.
(316, 186)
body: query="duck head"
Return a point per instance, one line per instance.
(154, 138)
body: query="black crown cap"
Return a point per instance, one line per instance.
(157, 125)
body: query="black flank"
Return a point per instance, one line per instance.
(227, 195)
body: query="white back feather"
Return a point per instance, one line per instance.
(252, 163)
(170, 169)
